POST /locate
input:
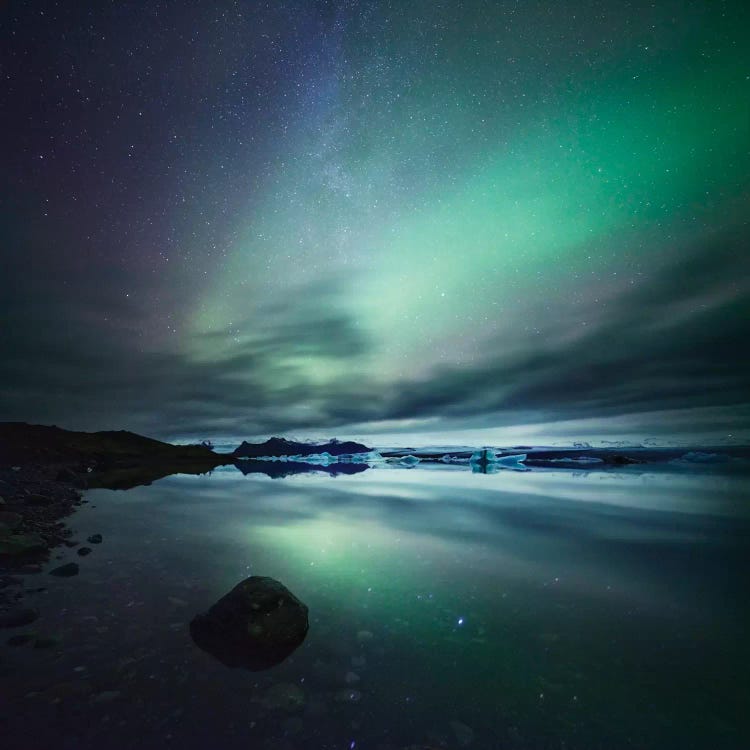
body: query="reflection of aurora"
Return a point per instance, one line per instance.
(592, 581)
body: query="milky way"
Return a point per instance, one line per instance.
(476, 220)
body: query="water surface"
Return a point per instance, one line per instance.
(542, 609)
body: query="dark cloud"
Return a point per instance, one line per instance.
(670, 343)
(674, 342)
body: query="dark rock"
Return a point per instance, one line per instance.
(21, 544)
(95, 539)
(15, 618)
(20, 640)
(65, 571)
(255, 626)
(277, 446)
(281, 469)
(83, 551)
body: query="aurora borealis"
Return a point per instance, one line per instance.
(475, 221)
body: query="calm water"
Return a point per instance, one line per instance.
(543, 609)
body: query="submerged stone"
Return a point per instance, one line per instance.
(255, 626)
(65, 571)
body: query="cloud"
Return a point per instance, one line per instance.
(669, 343)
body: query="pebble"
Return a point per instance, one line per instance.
(65, 571)
(95, 539)
(83, 551)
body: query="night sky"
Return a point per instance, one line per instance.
(419, 221)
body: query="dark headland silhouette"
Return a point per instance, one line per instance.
(23, 444)
(279, 446)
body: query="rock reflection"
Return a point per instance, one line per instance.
(281, 469)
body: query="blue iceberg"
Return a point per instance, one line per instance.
(489, 456)
(409, 461)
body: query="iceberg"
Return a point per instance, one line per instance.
(409, 461)
(314, 458)
(367, 457)
(517, 458)
(449, 459)
(489, 456)
(486, 455)
(371, 457)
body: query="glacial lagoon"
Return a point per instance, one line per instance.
(448, 609)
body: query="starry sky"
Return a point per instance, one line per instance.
(432, 221)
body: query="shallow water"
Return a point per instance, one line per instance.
(542, 609)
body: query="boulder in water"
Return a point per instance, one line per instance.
(255, 626)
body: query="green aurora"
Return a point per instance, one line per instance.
(438, 217)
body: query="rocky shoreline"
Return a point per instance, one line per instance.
(34, 501)
(43, 472)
